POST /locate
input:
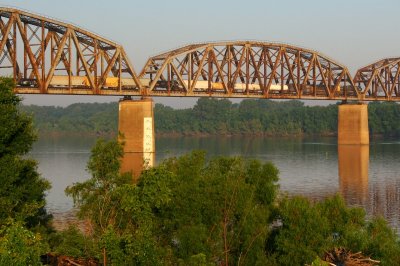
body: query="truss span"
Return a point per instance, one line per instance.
(247, 69)
(48, 56)
(380, 80)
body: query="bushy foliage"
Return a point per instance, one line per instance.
(22, 190)
(187, 210)
(122, 213)
(72, 242)
(309, 229)
(220, 208)
(95, 197)
(194, 210)
(19, 246)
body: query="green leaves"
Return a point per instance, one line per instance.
(309, 229)
(187, 210)
(96, 197)
(218, 209)
(303, 234)
(19, 246)
(122, 213)
(104, 163)
(192, 210)
(16, 128)
(22, 191)
(71, 242)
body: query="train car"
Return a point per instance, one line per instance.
(242, 86)
(256, 87)
(200, 84)
(217, 85)
(63, 81)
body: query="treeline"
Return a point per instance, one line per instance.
(267, 117)
(212, 116)
(258, 117)
(89, 118)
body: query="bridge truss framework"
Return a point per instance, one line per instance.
(46, 56)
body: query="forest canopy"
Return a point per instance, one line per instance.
(211, 116)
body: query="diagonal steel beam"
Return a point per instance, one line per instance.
(57, 58)
(81, 56)
(30, 54)
(5, 32)
(111, 64)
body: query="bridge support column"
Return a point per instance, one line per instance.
(353, 124)
(136, 123)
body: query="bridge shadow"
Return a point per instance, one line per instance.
(353, 162)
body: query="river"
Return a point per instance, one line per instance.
(314, 167)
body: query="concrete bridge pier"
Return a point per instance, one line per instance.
(353, 124)
(136, 123)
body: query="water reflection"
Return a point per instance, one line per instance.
(353, 162)
(384, 176)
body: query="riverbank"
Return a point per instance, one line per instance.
(108, 135)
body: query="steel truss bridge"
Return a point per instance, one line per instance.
(46, 56)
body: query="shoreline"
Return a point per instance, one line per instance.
(200, 135)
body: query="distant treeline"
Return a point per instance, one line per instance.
(212, 116)
(87, 118)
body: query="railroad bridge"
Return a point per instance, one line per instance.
(47, 56)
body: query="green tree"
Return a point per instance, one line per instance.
(309, 229)
(382, 243)
(220, 209)
(94, 197)
(187, 210)
(22, 190)
(72, 242)
(19, 246)
(122, 213)
(197, 211)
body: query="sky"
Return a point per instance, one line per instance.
(353, 32)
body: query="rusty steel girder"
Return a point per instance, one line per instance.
(46, 56)
(247, 69)
(380, 81)
(52, 57)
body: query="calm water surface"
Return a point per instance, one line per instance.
(316, 168)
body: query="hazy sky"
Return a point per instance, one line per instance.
(353, 32)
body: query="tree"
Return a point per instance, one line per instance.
(94, 197)
(73, 243)
(197, 211)
(19, 246)
(185, 211)
(310, 229)
(22, 190)
(220, 209)
(122, 213)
